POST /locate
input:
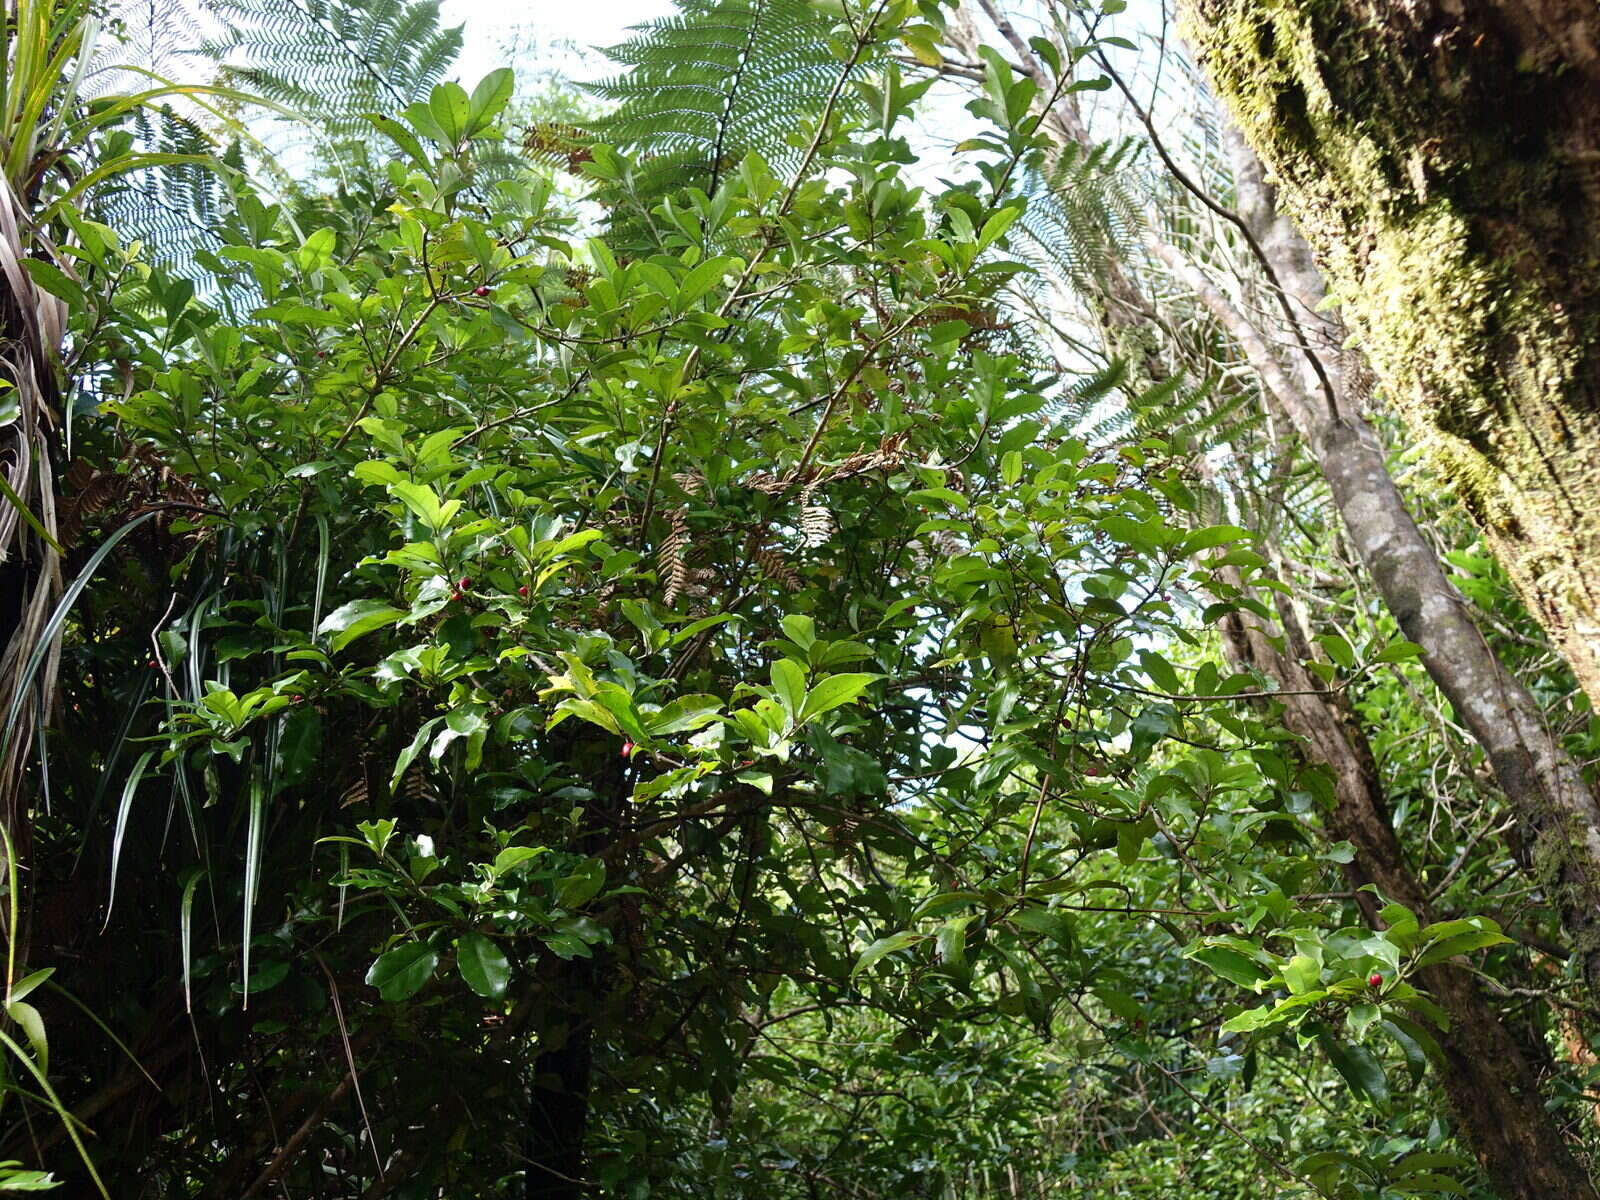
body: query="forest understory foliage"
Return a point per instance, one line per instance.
(835, 615)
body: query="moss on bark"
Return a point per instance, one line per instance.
(1445, 168)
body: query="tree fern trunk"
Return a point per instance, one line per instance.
(1444, 161)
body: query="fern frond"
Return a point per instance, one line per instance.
(173, 209)
(715, 81)
(333, 60)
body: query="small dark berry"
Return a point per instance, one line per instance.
(523, 591)
(322, 354)
(1374, 980)
(464, 584)
(480, 291)
(627, 749)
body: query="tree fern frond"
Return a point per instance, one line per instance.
(717, 80)
(334, 59)
(172, 209)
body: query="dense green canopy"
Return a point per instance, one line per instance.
(692, 638)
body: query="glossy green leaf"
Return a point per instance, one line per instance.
(399, 974)
(483, 965)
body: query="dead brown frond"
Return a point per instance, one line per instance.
(672, 557)
(558, 144)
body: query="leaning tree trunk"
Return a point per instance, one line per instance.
(1443, 158)
(1489, 1075)
(1556, 810)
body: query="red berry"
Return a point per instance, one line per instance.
(464, 584)
(296, 699)
(627, 749)
(523, 591)
(1374, 980)
(457, 596)
(322, 354)
(153, 665)
(1093, 771)
(480, 291)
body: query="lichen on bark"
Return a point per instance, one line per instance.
(1443, 165)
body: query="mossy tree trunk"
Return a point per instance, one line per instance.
(1443, 158)
(1492, 1078)
(1557, 812)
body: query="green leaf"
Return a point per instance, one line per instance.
(20, 989)
(450, 108)
(616, 701)
(1058, 926)
(483, 965)
(1119, 1003)
(789, 682)
(1362, 1071)
(1338, 650)
(355, 619)
(13, 1179)
(401, 972)
(995, 227)
(885, 945)
(424, 502)
(1415, 1042)
(1398, 652)
(1360, 1018)
(683, 714)
(1231, 965)
(409, 754)
(801, 630)
(582, 885)
(490, 96)
(55, 281)
(264, 978)
(1213, 536)
(27, 1016)
(1301, 974)
(944, 902)
(400, 135)
(1161, 672)
(512, 857)
(377, 834)
(951, 942)
(834, 691)
(1460, 943)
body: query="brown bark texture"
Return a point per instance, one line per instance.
(1490, 1077)
(1443, 159)
(1556, 810)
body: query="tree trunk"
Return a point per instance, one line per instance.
(1556, 810)
(1557, 813)
(1443, 159)
(1489, 1075)
(558, 1124)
